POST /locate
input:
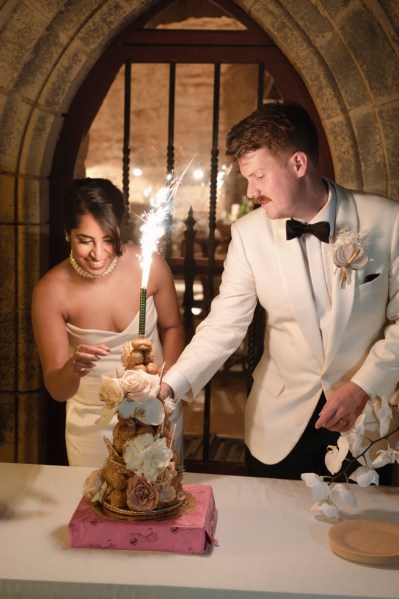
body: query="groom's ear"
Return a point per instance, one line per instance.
(299, 163)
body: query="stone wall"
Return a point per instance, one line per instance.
(346, 52)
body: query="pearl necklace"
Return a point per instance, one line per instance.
(83, 273)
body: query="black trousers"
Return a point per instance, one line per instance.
(307, 455)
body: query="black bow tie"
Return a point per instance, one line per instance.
(321, 230)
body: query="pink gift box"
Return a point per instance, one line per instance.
(189, 533)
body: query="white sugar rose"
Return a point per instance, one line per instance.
(111, 393)
(139, 386)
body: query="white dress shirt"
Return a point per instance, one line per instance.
(316, 257)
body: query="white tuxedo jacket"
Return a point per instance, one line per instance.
(363, 338)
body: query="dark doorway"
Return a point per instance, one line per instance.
(225, 54)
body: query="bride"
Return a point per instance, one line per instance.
(87, 307)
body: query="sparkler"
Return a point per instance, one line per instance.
(153, 229)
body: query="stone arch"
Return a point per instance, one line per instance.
(347, 56)
(346, 53)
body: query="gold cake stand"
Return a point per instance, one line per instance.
(184, 506)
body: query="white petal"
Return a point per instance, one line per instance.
(106, 415)
(327, 509)
(345, 493)
(364, 476)
(319, 487)
(149, 412)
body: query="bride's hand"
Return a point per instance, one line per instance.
(85, 357)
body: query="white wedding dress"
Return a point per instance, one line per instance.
(84, 439)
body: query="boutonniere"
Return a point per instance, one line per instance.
(348, 254)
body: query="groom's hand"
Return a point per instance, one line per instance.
(342, 408)
(166, 391)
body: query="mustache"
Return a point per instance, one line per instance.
(261, 199)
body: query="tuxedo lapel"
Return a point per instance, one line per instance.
(298, 288)
(342, 297)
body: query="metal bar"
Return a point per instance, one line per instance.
(170, 157)
(171, 120)
(211, 246)
(253, 341)
(126, 132)
(255, 329)
(213, 179)
(189, 271)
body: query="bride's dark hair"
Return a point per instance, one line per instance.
(103, 200)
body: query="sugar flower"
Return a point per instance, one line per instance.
(141, 496)
(167, 491)
(139, 385)
(136, 386)
(111, 394)
(149, 412)
(147, 456)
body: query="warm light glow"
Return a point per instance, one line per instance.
(137, 172)
(220, 178)
(198, 174)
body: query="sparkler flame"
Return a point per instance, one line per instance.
(153, 227)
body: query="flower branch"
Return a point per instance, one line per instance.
(326, 488)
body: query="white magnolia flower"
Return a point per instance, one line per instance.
(383, 411)
(336, 455)
(360, 440)
(318, 486)
(355, 435)
(365, 476)
(345, 493)
(147, 456)
(326, 508)
(386, 456)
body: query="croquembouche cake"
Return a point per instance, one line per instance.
(141, 477)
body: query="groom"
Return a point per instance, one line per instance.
(330, 292)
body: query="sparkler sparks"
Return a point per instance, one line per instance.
(152, 230)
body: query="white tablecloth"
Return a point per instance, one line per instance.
(270, 545)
